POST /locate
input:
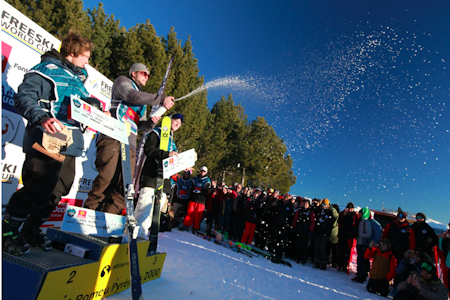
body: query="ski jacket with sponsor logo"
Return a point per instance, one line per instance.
(129, 105)
(45, 92)
(201, 186)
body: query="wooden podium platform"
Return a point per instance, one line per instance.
(56, 274)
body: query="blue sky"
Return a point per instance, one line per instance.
(358, 90)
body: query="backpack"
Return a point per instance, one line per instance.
(376, 231)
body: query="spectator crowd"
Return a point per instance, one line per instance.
(316, 231)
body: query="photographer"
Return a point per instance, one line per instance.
(412, 261)
(383, 267)
(426, 286)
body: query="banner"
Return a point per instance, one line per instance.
(91, 222)
(23, 43)
(173, 165)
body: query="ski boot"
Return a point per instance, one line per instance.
(33, 234)
(359, 279)
(183, 228)
(12, 242)
(36, 238)
(208, 229)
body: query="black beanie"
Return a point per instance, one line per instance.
(421, 215)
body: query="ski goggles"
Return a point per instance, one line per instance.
(426, 267)
(401, 216)
(419, 218)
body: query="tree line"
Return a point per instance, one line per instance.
(233, 148)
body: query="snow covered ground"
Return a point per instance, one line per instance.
(199, 269)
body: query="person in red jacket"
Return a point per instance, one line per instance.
(401, 236)
(383, 267)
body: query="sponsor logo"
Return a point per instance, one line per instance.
(82, 214)
(20, 68)
(94, 84)
(85, 185)
(77, 103)
(9, 128)
(8, 171)
(14, 26)
(105, 270)
(8, 97)
(106, 89)
(71, 212)
(6, 51)
(166, 164)
(86, 108)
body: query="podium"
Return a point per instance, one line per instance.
(55, 274)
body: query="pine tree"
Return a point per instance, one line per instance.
(56, 16)
(103, 28)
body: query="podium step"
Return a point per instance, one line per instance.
(56, 274)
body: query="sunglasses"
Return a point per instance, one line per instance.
(144, 74)
(419, 218)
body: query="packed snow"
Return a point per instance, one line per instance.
(196, 268)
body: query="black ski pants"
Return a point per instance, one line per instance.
(45, 181)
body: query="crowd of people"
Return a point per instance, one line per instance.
(314, 230)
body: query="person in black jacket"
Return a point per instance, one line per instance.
(425, 236)
(301, 225)
(348, 231)
(282, 221)
(251, 216)
(322, 230)
(43, 98)
(150, 172)
(262, 230)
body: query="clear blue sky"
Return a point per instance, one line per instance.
(358, 90)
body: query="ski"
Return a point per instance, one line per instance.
(163, 145)
(131, 228)
(140, 156)
(221, 243)
(244, 248)
(264, 254)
